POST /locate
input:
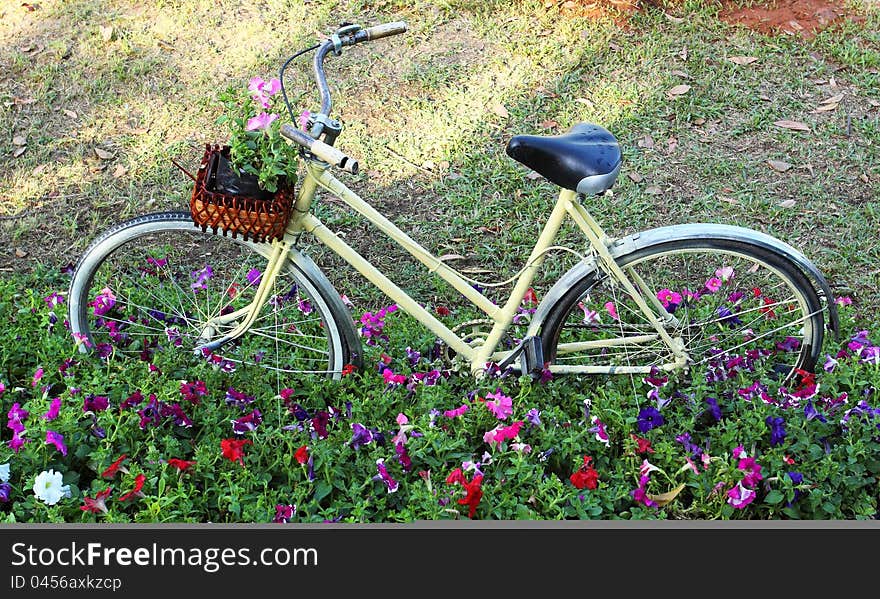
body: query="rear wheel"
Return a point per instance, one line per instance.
(152, 288)
(732, 306)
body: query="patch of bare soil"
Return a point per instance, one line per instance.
(793, 17)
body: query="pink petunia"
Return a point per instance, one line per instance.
(456, 412)
(261, 121)
(499, 434)
(612, 310)
(499, 404)
(739, 496)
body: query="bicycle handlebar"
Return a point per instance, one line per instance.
(324, 151)
(346, 36)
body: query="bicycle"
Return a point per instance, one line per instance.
(674, 298)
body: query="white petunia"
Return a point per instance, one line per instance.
(48, 487)
(4, 473)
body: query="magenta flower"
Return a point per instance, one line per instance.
(385, 477)
(612, 310)
(95, 403)
(499, 434)
(104, 302)
(260, 122)
(284, 513)
(54, 409)
(640, 493)
(739, 496)
(843, 300)
(456, 412)
(56, 439)
(499, 404)
(670, 299)
(37, 376)
(713, 284)
(392, 379)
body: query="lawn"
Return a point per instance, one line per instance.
(719, 122)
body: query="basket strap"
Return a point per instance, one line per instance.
(178, 165)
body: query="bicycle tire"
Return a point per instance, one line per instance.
(146, 287)
(764, 316)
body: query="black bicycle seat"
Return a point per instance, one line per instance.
(585, 159)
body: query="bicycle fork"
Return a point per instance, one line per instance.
(248, 314)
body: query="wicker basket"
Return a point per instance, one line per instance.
(253, 218)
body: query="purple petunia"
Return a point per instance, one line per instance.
(361, 435)
(649, 418)
(777, 429)
(391, 484)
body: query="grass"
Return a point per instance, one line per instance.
(428, 115)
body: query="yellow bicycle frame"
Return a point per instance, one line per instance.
(319, 175)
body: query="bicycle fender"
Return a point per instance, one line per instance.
(643, 239)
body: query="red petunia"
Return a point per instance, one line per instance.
(456, 476)
(115, 467)
(233, 449)
(348, 369)
(474, 494)
(139, 481)
(97, 504)
(644, 446)
(473, 490)
(182, 465)
(586, 476)
(302, 454)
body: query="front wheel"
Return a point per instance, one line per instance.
(157, 288)
(731, 306)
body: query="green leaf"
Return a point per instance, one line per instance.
(774, 497)
(322, 489)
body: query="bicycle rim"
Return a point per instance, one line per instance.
(732, 307)
(156, 289)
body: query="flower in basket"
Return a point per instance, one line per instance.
(258, 154)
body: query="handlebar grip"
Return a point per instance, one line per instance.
(324, 151)
(384, 30)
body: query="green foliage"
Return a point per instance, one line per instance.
(826, 467)
(261, 152)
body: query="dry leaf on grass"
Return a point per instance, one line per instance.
(793, 125)
(119, 171)
(446, 257)
(533, 175)
(678, 90)
(635, 177)
(104, 154)
(500, 110)
(548, 124)
(787, 204)
(826, 108)
(19, 140)
(653, 190)
(742, 60)
(832, 100)
(70, 113)
(646, 142)
(778, 165)
(19, 151)
(20, 253)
